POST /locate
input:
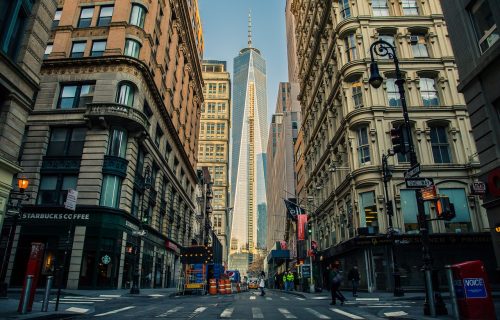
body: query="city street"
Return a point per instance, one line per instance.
(248, 305)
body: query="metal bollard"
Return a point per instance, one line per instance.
(453, 295)
(26, 298)
(46, 297)
(430, 293)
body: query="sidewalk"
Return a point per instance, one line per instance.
(8, 307)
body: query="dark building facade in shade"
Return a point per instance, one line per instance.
(116, 119)
(474, 28)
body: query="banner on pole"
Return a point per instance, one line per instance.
(301, 226)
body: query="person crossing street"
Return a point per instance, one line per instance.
(335, 278)
(354, 277)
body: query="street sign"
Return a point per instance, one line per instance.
(413, 171)
(419, 182)
(429, 193)
(140, 233)
(478, 188)
(306, 271)
(71, 200)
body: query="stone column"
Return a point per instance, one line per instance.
(76, 257)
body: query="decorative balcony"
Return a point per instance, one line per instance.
(61, 164)
(108, 114)
(115, 165)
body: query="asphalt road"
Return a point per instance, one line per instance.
(248, 305)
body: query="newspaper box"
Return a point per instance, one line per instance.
(473, 291)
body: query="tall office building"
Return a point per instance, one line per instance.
(249, 136)
(213, 143)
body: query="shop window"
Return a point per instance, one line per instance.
(66, 141)
(125, 94)
(78, 49)
(462, 221)
(53, 188)
(363, 145)
(98, 48)
(484, 24)
(409, 211)
(85, 17)
(419, 46)
(111, 190)
(105, 15)
(118, 143)
(380, 8)
(368, 212)
(75, 95)
(137, 15)
(393, 97)
(428, 92)
(440, 146)
(345, 11)
(410, 7)
(350, 47)
(57, 19)
(132, 48)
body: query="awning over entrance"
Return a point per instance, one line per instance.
(277, 255)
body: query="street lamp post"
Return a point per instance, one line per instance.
(382, 48)
(135, 280)
(13, 210)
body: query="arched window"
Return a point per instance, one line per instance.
(125, 94)
(132, 48)
(137, 15)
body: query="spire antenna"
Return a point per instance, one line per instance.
(250, 29)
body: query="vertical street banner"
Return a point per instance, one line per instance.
(301, 226)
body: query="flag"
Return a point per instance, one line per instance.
(292, 208)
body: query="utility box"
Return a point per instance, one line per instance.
(473, 291)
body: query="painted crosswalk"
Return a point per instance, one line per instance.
(83, 300)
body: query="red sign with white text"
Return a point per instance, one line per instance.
(33, 268)
(301, 226)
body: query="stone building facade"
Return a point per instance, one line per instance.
(116, 119)
(346, 127)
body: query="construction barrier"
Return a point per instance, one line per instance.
(212, 288)
(222, 286)
(238, 289)
(228, 286)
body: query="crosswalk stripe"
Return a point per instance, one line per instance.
(72, 302)
(257, 313)
(110, 295)
(395, 314)
(317, 314)
(286, 313)
(114, 311)
(253, 297)
(347, 314)
(285, 298)
(227, 313)
(77, 310)
(269, 298)
(197, 311)
(166, 314)
(367, 299)
(301, 299)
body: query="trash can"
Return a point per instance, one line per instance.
(473, 291)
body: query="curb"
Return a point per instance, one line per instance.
(295, 293)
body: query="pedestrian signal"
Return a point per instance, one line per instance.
(445, 209)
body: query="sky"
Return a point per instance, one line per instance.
(225, 32)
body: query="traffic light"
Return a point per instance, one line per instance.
(309, 230)
(445, 209)
(398, 139)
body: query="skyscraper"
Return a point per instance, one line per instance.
(249, 133)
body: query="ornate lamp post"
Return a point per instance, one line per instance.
(135, 280)
(14, 206)
(382, 48)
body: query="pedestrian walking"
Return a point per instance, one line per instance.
(353, 276)
(336, 281)
(285, 283)
(290, 280)
(262, 285)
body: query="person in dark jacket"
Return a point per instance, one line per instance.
(335, 279)
(353, 276)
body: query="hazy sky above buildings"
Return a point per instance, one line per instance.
(225, 25)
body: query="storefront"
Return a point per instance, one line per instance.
(103, 251)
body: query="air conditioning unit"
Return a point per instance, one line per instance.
(413, 39)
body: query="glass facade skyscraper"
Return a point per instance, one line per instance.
(248, 163)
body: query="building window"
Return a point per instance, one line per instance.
(110, 192)
(350, 47)
(66, 142)
(78, 49)
(484, 24)
(158, 135)
(440, 146)
(462, 221)
(368, 211)
(222, 88)
(118, 143)
(105, 15)
(132, 48)
(48, 50)
(393, 97)
(387, 38)
(54, 188)
(409, 210)
(98, 48)
(357, 95)
(363, 145)
(75, 95)
(137, 15)
(380, 8)
(212, 88)
(13, 18)
(410, 7)
(419, 46)
(345, 11)
(125, 94)
(136, 199)
(428, 92)
(57, 18)
(85, 17)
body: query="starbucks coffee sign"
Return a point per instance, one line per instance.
(55, 216)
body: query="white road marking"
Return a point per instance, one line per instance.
(285, 298)
(302, 299)
(197, 311)
(227, 313)
(156, 295)
(169, 312)
(395, 314)
(253, 297)
(77, 310)
(269, 298)
(384, 306)
(286, 313)
(317, 314)
(83, 299)
(367, 299)
(347, 314)
(114, 311)
(61, 301)
(320, 298)
(110, 295)
(257, 313)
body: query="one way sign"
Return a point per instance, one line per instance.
(419, 182)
